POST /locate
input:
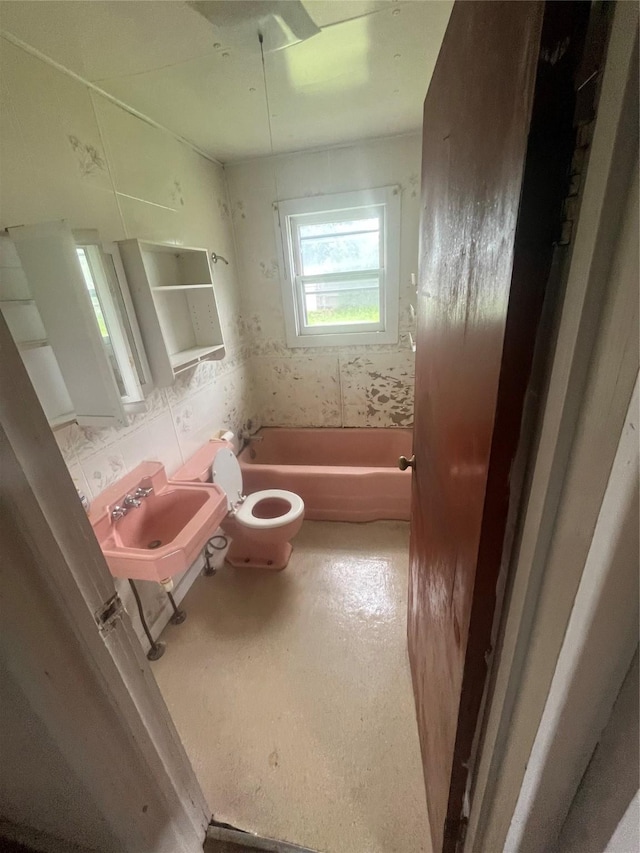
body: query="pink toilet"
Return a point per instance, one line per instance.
(260, 525)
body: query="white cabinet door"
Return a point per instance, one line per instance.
(50, 262)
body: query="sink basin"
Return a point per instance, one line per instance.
(164, 535)
(159, 519)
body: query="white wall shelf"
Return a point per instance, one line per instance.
(44, 372)
(25, 324)
(187, 358)
(23, 320)
(61, 421)
(181, 287)
(172, 290)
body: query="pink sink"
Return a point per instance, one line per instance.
(164, 535)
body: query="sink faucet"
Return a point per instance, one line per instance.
(142, 492)
(131, 501)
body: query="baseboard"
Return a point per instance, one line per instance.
(223, 839)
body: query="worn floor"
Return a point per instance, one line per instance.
(292, 694)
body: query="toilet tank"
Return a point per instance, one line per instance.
(197, 469)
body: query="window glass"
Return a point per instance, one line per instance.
(345, 226)
(349, 302)
(335, 247)
(341, 254)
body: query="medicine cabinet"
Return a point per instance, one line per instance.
(87, 315)
(65, 299)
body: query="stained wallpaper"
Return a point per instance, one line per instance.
(323, 386)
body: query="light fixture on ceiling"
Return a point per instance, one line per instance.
(281, 23)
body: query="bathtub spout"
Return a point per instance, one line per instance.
(248, 439)
(251, 440)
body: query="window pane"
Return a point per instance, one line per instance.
(340, 247)
(346, 227)
(102, 323)
(342, 302)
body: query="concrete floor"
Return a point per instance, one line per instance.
(292, 694)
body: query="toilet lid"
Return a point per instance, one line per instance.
(226, 473)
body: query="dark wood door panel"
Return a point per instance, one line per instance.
(497, 144)
(476, 122)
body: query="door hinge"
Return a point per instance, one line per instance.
(109, 613)
(455, 832)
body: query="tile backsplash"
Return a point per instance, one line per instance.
(175, 425)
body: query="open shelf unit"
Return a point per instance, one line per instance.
(172, 291)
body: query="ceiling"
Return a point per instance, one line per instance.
(364, 75)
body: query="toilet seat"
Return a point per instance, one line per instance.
(226, 473)
(245, 512)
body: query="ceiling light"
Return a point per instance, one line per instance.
(282, 23)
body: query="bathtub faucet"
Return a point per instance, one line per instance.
(249, 440)
(247, 437)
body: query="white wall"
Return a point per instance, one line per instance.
(67, 153)
(608, 792)
(627, 834)
(337, 386)
(600, 641)
(33, 767)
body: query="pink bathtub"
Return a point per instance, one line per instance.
(341, 474)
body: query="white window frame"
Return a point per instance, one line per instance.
(386, 202)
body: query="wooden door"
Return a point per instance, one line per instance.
(491, 198)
